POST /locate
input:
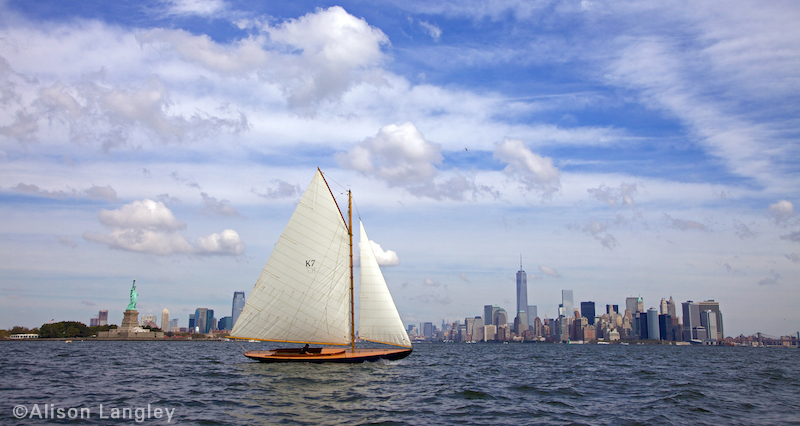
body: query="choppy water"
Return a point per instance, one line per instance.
(212, 383)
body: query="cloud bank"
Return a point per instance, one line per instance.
(150, 227)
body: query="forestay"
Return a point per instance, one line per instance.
(378, 317)
(302, 294)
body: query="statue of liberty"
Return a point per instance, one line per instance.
(134, 297)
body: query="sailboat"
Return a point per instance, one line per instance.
(305, 292)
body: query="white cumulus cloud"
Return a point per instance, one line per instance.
(148, 226)
(532, 170)
(384, 258)
(781, 211)
(226, 242)
(318, 56)
(143, 214)
(400, 156)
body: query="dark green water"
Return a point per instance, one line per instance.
(212, 383)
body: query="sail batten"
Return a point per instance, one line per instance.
(379, 320)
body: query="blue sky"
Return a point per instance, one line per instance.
(623, 148)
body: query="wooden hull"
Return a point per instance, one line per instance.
(328, 355)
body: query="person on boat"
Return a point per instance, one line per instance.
(305, 349)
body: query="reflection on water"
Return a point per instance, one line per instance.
(213, 383)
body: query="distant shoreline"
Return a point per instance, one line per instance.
(94, 339)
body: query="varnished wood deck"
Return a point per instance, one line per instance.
(327, 355)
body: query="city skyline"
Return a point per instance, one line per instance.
(625, 149)
(698, 314)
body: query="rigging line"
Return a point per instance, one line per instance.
(358, 213)
(327, 177)
(345, 189)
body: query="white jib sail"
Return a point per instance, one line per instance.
(378, 320)
(303, 293)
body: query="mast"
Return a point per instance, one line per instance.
(352, 309)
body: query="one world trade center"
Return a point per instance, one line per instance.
(521, 321)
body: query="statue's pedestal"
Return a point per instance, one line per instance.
(130, 330)
(130, 320)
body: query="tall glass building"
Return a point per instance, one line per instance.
(522, 300)
(204, 320)
(710, 305)
(587, 310)
(238, 305)
(632, 305)
(569, 306)
(652, 324)
(533, 312)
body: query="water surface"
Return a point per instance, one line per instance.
(212, 383)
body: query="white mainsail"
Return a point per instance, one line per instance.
(303, 293)
(379, 320)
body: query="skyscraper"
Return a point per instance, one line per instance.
(469, 325)
(427, 329)
(569, 307)
(238, 305)
(149, 321)
(533, 313)
(191, 323)
(165, 320)
(224, 323)
(522, 299)
(204, 320)
(200, 319)
(665, 327)
(643, 328)
(102, 318)
(691, 320)
(708, 319)
(671, 308)
(478, 329)
(710, 305)
(587, 310)
(630, 305)
(487, 313)
(500, 317)
(652, 324)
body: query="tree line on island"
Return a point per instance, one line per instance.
(71, 329)
(63, 329)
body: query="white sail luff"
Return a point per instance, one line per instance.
(379, 320)
(302, 294)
